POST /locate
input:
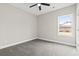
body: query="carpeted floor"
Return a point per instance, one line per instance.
(38, 48)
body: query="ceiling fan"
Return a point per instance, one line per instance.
(39, 5)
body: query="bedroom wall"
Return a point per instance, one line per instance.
(47, 26)
(16, 26)
(77, 26)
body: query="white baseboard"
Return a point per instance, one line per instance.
(64, 43)
(13, 44)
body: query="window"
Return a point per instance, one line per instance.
(65, 25)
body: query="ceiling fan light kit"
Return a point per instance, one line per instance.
(39, 5)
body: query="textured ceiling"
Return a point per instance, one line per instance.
(45, 9)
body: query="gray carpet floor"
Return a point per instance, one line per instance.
(38, 48)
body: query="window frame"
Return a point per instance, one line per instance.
(58, 26)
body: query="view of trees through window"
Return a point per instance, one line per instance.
(65, 25)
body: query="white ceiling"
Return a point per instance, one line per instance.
(45, 9)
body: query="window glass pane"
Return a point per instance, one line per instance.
(65, 25)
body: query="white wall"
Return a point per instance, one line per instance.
(16, 25)
(77, 26)
(47, 26)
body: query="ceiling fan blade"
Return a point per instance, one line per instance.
(39, 7)
(45, 4)
(33, 5)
